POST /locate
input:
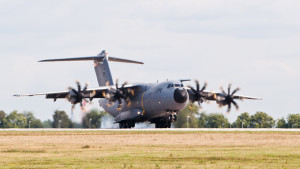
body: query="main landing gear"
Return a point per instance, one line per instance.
(126, 124)
(165, 122)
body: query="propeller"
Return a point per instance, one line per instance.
(197, 94)
(228, 98)
(118, 94)
(77, 96)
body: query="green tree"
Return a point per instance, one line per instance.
(92, 119)
(187, 115)
(261, 120)
(216, 120)
(3, 121)
(32, 122)
(47, 123)
(243, 120)
(61, 119)
(281, 123)
(294, 120)
(202, 122)
(15, 120)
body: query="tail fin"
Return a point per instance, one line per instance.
(100, 64)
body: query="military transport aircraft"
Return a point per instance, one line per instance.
(157, 103)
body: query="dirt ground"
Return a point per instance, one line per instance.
(149, 149)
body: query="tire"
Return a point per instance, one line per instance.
(168, 124)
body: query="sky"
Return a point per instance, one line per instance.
(252, 44)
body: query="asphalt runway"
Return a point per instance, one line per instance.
(155, 129)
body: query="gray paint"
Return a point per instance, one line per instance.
(103, 71)
(151, 102)
(154, 100)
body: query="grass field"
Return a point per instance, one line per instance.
(149, 149)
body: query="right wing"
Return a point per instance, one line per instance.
(89, 93)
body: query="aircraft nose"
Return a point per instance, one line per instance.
(180, 95)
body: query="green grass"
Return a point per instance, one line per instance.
(158, 149)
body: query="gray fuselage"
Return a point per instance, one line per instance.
(151, 101)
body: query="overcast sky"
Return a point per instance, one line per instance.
(253, 44)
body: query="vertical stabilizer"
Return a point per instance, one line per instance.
(102, 70)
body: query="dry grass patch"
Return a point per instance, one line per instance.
(102, 149)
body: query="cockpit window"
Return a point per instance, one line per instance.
(178, 85)
(170, 85)
(175, 85)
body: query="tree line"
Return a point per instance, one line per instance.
(60, 119)
(190, 117)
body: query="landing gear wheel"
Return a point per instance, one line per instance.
(168, 124)
(163, 124)
(127, 124)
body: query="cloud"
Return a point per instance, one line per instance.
(277, 67)
(253, 44)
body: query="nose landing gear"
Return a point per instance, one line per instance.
(172, 117)
(165, 122)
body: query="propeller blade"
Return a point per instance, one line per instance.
(128, 103)
(73, 107)
(131, 91)
(73, 90)
(104, 94)
(229, 86)
(204, 87)
(199, 103)
(85, 87)
(109, 104)
(124, 84)
(191, 106)
(120, 101)
(197, 85)
(78, 86)
(229, 108)
(237, 89)
(221, 88)
(236, 105)
(117, 81)
(195, 91)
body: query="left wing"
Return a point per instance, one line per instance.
(211, 95)
(222, 98)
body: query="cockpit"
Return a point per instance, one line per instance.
(175, 85)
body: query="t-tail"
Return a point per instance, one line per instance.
(100, 64)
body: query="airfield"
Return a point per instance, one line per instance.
(150, 148)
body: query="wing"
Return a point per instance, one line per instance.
(89, 93)
(211, 95)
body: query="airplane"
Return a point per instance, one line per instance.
(157, 103)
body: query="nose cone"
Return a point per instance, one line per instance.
(180, 96)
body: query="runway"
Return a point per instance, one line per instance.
(155, 129)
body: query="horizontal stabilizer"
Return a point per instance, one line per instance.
(123, 60)
(97, 58)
